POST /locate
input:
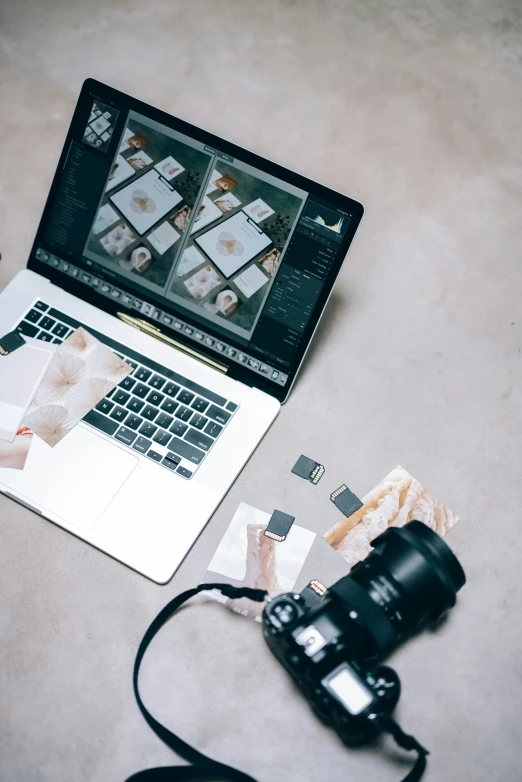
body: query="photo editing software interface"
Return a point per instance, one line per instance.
(171, 227)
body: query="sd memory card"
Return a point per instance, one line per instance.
(279, 525)
(345, 500)
(308, 469)
(11, 342)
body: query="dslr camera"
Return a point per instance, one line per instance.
(332, 640)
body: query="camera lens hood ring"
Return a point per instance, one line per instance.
(438, 556)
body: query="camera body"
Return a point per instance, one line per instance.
(331, 641)
(318, 647)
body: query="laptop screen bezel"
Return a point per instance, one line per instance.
(241, 372)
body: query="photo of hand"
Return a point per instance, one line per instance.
(13, 455)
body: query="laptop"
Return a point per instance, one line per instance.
(204, 266)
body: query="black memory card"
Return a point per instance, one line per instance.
(313, 593)
(345, 500)
(279, 525)
(308, 469)
(11, 342)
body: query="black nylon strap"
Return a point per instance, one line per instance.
(203, 768)
(406, 741)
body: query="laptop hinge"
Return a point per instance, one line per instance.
(155, 332)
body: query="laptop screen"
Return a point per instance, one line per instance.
(208, 241)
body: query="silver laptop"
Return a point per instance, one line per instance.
(207, 268)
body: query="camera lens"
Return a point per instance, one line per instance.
(410, 578)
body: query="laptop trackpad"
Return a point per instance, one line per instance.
(76, 480)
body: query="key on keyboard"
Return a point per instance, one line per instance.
(147, 429)
(135, 404)
(127, 383)
(141, 390)
(133, 421)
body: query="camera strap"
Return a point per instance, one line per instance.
(404, 740)
(203, 768)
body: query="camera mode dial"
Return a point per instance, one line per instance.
(386, 686)
(282, 614)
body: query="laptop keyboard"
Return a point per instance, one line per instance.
(154, 411)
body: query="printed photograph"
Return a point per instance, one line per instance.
(169, 168)
(397, 499)
(270, 262)
(227, 203)
(13, 455)
(207, 213)
(251, 280)
(181, 218)
(82, 371)
(139, 161)
(225, 303)
(104, 219)
(202, 282)
(121, 170)
(258, 210)
(137, 141)
(100, 125)
(246, 557)
(95, 112)
(146, 201)
(117, 240)
(124, 145)
(233, 243)
(139, 261)
(21, 372)
(163, 237)
(190, 259)
(212, 187)
(225, 183)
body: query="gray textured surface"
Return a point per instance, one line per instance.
(415, 109)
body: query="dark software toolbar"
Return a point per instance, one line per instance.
(141, 307)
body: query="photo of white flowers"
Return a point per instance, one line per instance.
(80, 374)
(396, 500)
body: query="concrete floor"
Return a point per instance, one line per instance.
(414, 108)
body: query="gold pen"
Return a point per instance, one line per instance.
(154, 331)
